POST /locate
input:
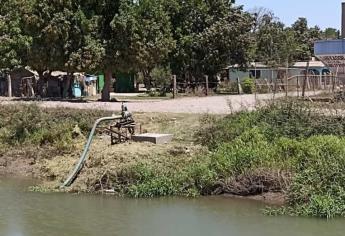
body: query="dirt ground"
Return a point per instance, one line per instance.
(194, 105)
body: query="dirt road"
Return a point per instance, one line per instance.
(212, 105)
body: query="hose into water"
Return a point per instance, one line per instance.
(69, 181)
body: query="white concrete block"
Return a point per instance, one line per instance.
(153, 138)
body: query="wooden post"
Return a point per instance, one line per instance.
(174, 87)
(308, 83)
(274, 89)
(255, 85)
(297, 86)
(255, 91)
(319, 86)
(286, 79)
(9, 85)
(206, 81)
(305, 79)
(239, 89)
(335, 79)
(313, 83)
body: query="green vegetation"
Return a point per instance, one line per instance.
(32, 126)
(145, 36)
(289, 147)
(286, 147)
(248, 85)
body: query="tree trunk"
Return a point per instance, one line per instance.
(107, 85)
(41, 85)
(147, 80)
(9, 84)
(67, 86)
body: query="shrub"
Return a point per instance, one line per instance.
(29, 124)
(289, 147)
(248, 85)
(290, 119)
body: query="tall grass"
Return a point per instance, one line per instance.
(26, 125)
(289, 147)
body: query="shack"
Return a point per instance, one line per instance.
(90, 85)
(23, 82)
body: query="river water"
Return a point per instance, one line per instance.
(24, 213)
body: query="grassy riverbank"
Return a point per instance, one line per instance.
(290, 148)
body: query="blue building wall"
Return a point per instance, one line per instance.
(329, 47)
(332, 53)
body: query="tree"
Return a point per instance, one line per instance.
(49, 23)
(330, 33)
(305, 38)
(230, 47)
(102, 13)
(13, 41)
(275, 44)
(260, 15)
(209, 36)
(142, 37)
(62, 39)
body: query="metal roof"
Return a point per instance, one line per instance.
(303, 64)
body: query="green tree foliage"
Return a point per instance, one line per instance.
(192, 37)
(62, 37)
(305, 38)
(102, 14)
(13, 42)
(330, 33)
(142, 37)
(276, 44)
(209, 35)
(270, 38)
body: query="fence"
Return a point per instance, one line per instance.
(298, 84)
(198, 88)
(301, 84)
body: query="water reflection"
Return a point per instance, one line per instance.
(34, 214)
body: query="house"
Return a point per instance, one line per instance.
(256, 70)
(315, 67)
(23, 82)
(261, 71)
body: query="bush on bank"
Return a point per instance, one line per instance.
(287, 147)
(291, 137)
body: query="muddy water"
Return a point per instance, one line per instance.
(32, 214)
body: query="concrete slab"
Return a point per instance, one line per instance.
(153, 138)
